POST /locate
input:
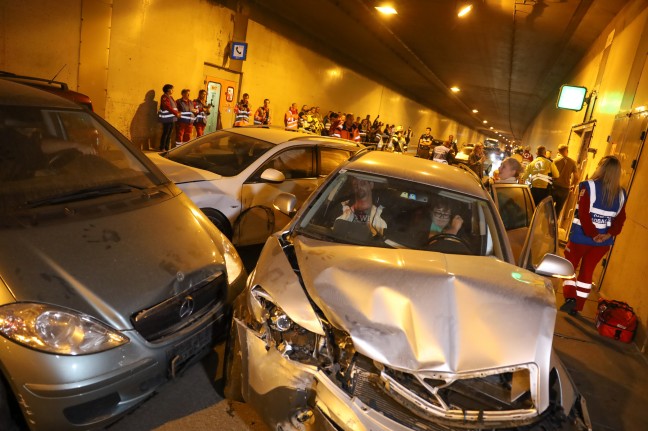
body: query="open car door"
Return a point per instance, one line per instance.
(539, 253)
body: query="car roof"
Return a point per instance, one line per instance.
(418, 170)
(14, 94)
(277, 135)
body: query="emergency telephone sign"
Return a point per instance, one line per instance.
(239, 50)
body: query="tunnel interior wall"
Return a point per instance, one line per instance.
(616, 76)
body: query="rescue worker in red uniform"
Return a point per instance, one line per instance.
(168, 115)
(203, 111)
(349, 130)
(262, 115)
(187, 116)
(242, 112)
(291, 118)
(599, 218)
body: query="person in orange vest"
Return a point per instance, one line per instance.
(349, 129)
(203, 111)
(187, 117)
(291, 119)
(262, 115)
(242, 112)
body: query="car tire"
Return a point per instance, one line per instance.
(8, 409)
(233, 367)
(219, 220)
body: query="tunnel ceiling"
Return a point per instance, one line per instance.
(508, 57)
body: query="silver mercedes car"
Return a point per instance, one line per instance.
(112, 281)
(392, 301)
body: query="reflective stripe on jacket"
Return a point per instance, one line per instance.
(600, 215)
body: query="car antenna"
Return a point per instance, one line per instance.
(57, 73)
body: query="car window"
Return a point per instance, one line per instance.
(294, 163)
(542, 236)
(331, 158)
(362, 209)
(53, 153)
(222, 153)
(514, 207)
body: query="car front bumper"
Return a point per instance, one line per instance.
(293, 396)
(91, 391)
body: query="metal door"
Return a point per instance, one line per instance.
(579, 137)
(213, 99)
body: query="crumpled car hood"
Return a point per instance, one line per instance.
(420, 311)
(179, 173)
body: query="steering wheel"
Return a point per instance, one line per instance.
(450, 238)
(63, 157)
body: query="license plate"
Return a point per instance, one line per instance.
(189, 351)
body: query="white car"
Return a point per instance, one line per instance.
(234, 175)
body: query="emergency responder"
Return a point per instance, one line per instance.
(203, 111)
(349, 130)
(168, 115)
(540, 172)
(187, 116)
(600, 214)
(262, 115)
(291, 118)
(242, 111)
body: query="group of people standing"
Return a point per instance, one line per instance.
(181, 115)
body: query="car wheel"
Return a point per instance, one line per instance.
(233, 368)
(219, 220)
(9, 409)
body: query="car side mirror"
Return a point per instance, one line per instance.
(285, 203)
(273, 176)
(552, 265)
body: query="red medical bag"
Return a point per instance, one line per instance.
(616, 319)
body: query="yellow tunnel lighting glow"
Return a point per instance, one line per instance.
(386, 10)
(485, 121)
(464, 11)
(475, 111)
(491, 127)
(455, 89)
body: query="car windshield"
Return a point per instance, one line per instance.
(370, 210)
(50, 156)
(223, 153)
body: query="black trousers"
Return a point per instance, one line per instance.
(539, 194)
(559, 195)
(167, 132)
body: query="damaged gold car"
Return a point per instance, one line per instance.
(393, 301)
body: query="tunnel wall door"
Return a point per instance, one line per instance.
(580, 137)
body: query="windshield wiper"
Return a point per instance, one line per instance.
(83, 194)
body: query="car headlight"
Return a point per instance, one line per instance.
(57, 330)
(281, 332)
(233, 262)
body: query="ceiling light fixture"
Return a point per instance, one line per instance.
(386, 10)
(455, 89)
(491, 127)
(485, 122)
(475, 111)
(464, 10)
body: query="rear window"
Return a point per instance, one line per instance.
(222, 153)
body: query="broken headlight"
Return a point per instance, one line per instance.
(281, 332)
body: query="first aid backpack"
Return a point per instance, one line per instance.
(616, 319)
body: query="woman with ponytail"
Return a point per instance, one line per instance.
(599, 218)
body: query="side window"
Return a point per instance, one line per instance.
(331, 158)
(514, 207)
(294, 163)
